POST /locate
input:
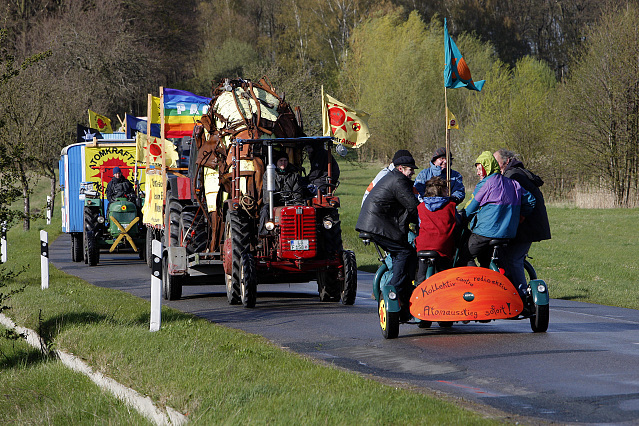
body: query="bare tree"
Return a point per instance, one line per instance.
(601, 102)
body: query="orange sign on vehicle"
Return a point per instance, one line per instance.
(465, 294)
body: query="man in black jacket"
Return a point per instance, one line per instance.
(534, 228)
(119, 186)
(386, 213)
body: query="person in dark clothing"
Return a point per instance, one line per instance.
(318, 175)
(536, 226)
(119, 187)
(386, 214)
(288, 190)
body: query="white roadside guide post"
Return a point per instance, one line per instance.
(3, 243)
(48, 210)
(44, 259)
(156, 286)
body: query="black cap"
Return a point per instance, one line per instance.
(401, 153)
(279, 154)
(405, 160)
(439, 152)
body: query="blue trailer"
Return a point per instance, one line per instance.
(85, 170)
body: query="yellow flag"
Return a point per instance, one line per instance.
(100, 122)
(348, 125)
(451, 120)
(155, 110)
(154, 147)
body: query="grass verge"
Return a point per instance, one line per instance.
(208, 372)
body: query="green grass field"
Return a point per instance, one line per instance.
(207, 372)
(218, 375)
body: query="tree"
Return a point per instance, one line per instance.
(404, 92)
(601, 104)
(515, 111)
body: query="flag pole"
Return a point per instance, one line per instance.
(447, 142)
(163, 165)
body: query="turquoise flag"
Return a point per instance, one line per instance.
(456, 72)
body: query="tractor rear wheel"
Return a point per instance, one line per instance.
(172, 223)
(349, 286)
(77, 246)
(193, 233)
(236, 241)
(249, 281)
(91, 227)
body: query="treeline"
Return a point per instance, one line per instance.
(561, 75)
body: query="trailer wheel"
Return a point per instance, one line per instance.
(236, 240)
(171, 284)
(249, 281)
(77, 246)
(328, 285)
(349, 286)
(193, 233)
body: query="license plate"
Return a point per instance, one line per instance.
(299, 244)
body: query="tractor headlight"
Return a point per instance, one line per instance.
(541, 288)
(100, 219)
(269, 226)
(392, 295)
(327, 222)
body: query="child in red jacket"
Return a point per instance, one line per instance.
(437, 221)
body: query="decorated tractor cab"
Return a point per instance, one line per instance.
(298, 241)
(460, 294)
(114, 225)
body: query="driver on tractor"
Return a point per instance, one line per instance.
(288, 190)
(119, 186)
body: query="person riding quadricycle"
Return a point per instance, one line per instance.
(467, 293)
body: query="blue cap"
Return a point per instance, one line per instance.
(116, 169)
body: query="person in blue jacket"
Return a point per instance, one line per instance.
(495, 209)
(437, 168)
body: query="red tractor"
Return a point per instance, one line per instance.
(212, 224)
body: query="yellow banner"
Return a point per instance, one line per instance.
(348, 125)
(154, 204)
(100, 161)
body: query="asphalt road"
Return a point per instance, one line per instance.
(585, 369)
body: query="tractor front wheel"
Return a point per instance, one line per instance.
(349, 286)
(236, 241)
(249, 281)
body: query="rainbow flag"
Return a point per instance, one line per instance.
(181, 110)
